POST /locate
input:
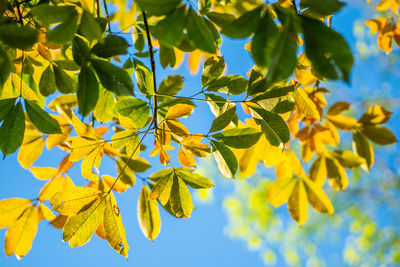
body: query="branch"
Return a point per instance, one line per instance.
(153, 67)
(294, 5)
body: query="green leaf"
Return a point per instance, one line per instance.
(67, 65)
(158, 8)
(88, 91)
(194, 180)
(81, 227)
(65, 84)
(138, 38)
(199, 33)
(6, 105)
(112, 45)
(112, 77)
(21, 37)
(204, 6)
(243, 26)
(283, 58)
(378, 134)
(239, 137)
(223, 120)
(226, 160)
(134, 108)
(148, 214)
(320, 9)
(47, 83)
(171, 85)
(277, 100)
(180, 201)
(144, 80)
(272, 125)
(80, 50)
(221, 19)
(327, 50)
(257, 82)
(233, 84)
(89, 27)
(12, 130)
(5, 66)
(212, 70)
(363, 148)
(52, 14)
(64, 33)
(167, 56)
(42, 121)
(169, 31)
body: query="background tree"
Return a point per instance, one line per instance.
(71, 48)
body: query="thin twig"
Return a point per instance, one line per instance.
(108, 16)
(153, 67)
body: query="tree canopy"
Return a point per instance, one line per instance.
(81, 76)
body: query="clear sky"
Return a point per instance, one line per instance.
(198, 241)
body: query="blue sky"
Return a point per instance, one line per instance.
(198, 241)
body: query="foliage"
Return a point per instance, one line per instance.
(70, 54)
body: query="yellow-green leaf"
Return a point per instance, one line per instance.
(337, 176)
(79, 228)
(318, 171)
(162, 189)
(71, 201)
(113, 227)
(317, 197)
(148, 214)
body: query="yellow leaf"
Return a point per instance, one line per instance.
(179, 110)
(279, 191)
(100, 231)
(337, 176)
(113, 227)
(318, 171)
(178, 130)
(71, 201)
(20, 235)
(338, 108)
(305, 105)
(128, 139)
(59, 221)
(317, 197)
(11, 209)
(81, 147)
(186, 158)
(180, 201)
(80, 227)
(51, 188)
(196, 148)
(194, 60)
(298, 203)
(45, 213)
(91, 160)
(148, 214)
(343, 122)
(375, 25)
(29, 153)
(44, 173)
(83, 129)
(118, 185)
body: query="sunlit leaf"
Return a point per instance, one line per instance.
(148, 214)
